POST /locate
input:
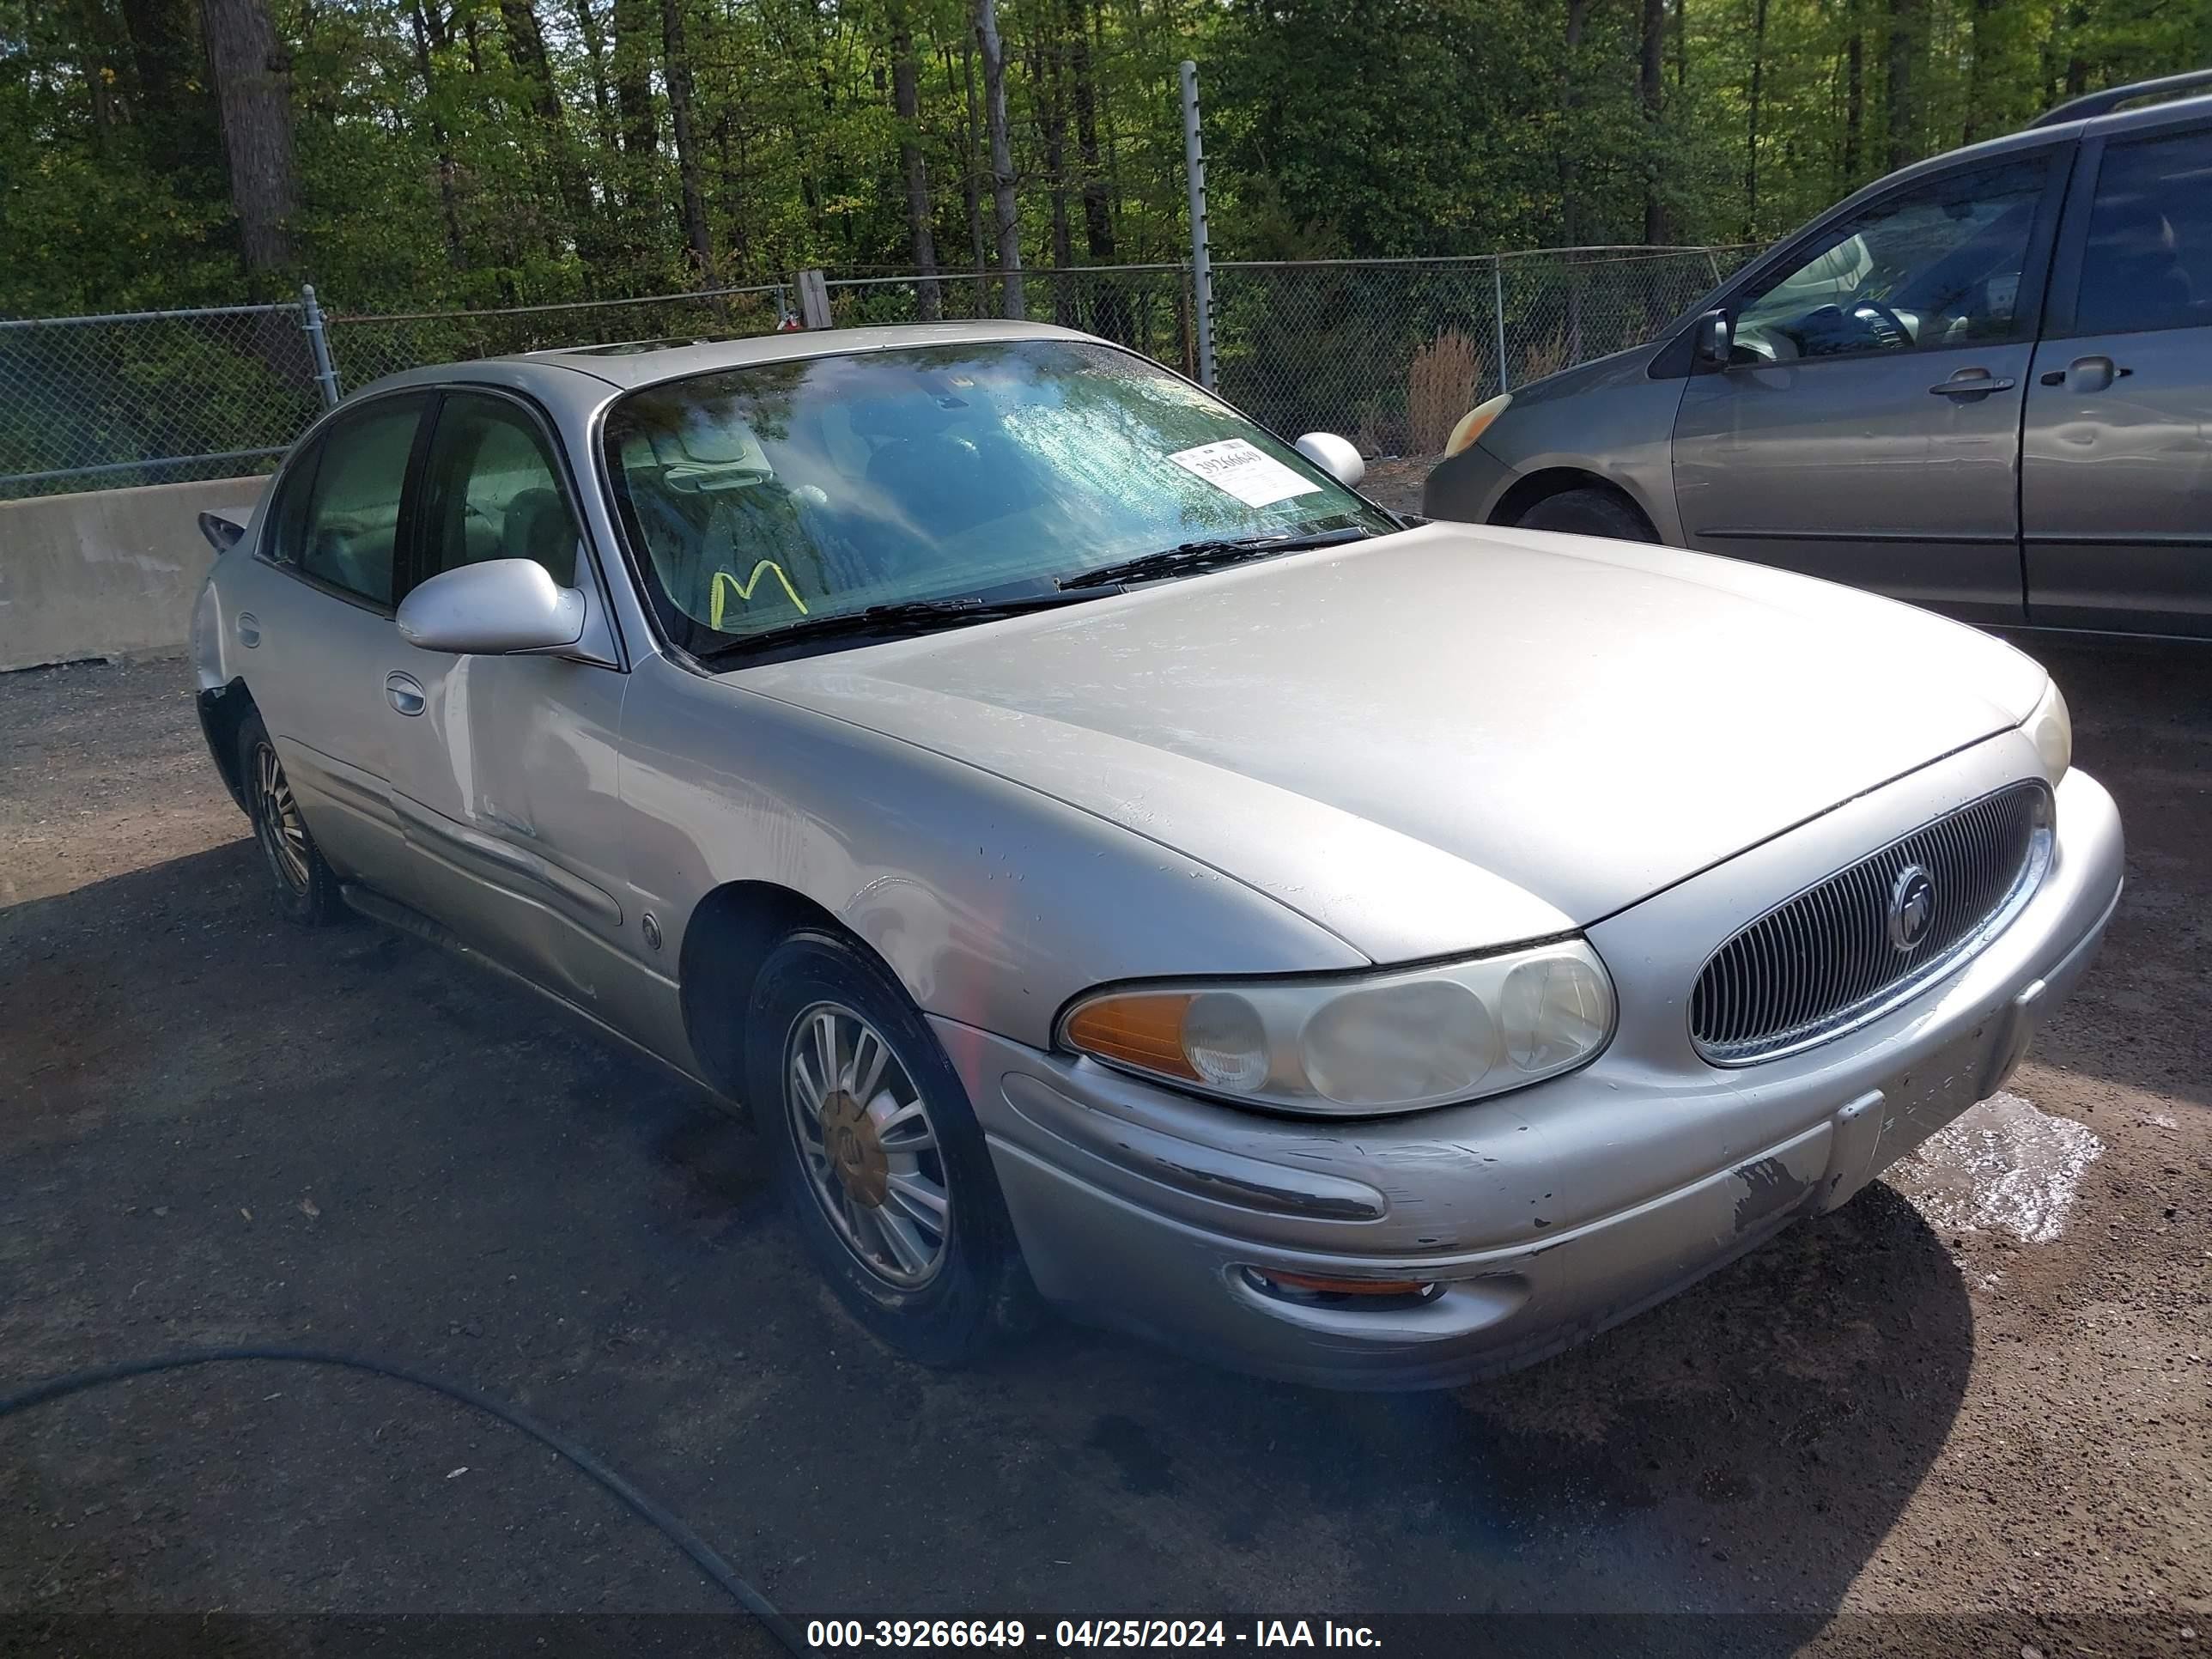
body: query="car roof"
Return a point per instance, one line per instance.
(630, 364)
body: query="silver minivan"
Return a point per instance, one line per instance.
(1982, 384)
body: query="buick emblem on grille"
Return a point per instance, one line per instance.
(1911, 907)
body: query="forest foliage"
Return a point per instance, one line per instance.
(418, 154)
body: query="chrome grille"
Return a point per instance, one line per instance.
(1824, 961)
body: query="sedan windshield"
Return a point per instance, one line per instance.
(755, 499)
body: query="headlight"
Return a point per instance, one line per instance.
(1391, 1042)
(1473, 424)
(2052, 729)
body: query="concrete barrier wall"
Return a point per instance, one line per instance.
(108, 571)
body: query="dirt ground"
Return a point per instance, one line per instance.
(1901, 1428)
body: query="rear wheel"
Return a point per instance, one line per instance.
(1589, 512)
(881, 1159)
(307, 888)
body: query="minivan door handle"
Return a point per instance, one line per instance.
(404, 693)
(2085, 374)
(1971, 383)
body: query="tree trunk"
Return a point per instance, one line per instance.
(994, 53)
(1109, 306)
(971, 173)
(1979, 83)
(632, 65)
(1751, 143)
(422, 26)
(1854, 101)
(913, 166)
(1903, 43)
(1051, 125)
(1649, 85)
(1570, 215)
(677, 65)
(253, 77)
(603, 105)
(525, 48)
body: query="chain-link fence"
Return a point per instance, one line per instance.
(1392, 353)
(95, 402)
(1389, 352)
(368, 348)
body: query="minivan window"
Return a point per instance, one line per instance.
(1938, 264)
(348, 532)
(2148, 262)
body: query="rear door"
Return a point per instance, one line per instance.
(504, 781)
(1867, 428)
(2115, 480)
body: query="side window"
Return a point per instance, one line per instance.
(2147, 263)
(347, 525)
(1938, 264)
(490, 491)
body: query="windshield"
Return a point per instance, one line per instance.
(757, 497)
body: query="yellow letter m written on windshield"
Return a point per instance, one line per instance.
(743, 590)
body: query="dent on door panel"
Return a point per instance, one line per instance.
(505, 789)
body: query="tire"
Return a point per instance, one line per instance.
(857, 1174)
(306, 886)
(1589, 512)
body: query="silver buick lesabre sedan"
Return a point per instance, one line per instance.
(1115, 861)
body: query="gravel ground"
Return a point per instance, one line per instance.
(1901, 1428)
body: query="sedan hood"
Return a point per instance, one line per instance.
(1451, 738)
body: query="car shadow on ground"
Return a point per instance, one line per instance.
(432, 1164)
(2140, 715)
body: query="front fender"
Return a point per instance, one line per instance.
(1609, 419)
(992, 902)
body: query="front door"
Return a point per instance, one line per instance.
(1867, 426)
(2115, 480)
(504, 784)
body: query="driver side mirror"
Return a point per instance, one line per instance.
(1334, 456)
(1711, 341)
(499, 608)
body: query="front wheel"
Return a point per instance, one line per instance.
(307, 887)
(1589, 512)
(879, 1155)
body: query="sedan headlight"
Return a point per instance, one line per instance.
(2052, 730)
(1393, 1041)
(1476, 422)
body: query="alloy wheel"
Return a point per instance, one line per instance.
(283, 831)
(869, 1149)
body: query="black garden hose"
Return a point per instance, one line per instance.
(638, 1503)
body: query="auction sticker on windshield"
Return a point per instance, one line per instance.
(1253, 478)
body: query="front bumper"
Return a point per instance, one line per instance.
(1543, 1216)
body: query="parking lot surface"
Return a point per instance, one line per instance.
(1972, 1410)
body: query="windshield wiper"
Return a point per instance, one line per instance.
(902, 619)
(1208, 555)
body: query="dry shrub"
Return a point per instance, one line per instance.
(1546, 356)
(1440, 387)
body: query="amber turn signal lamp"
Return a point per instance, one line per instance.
(1145, 1031)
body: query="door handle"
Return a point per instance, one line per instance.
(404, 693)
(2086, 374)
(1970, 383)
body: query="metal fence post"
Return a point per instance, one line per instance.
(1497, 311)
(1201, 266)
(310, 318)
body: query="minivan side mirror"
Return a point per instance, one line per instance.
(1334, 456)
(1711, 340)
(499, 608)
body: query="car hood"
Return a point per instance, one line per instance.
(1446, 738)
